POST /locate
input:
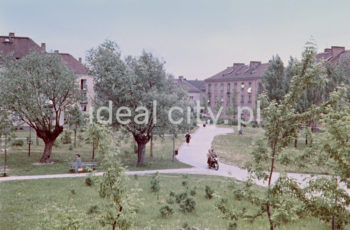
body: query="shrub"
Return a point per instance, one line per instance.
(180, 197)
(155, 187)
(187, 205)
(66, 137)
(186, 226)
(209, 192)
(170, 200)
(193, 192)
(89, 181)
(184, 183)
(92, 210)
(18, 143)
(70, 148)
(172, 194)
(232, 226)
(166, 211)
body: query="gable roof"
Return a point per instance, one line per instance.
(199, 84)
(19, 47)
(240, 71)
(183, 83)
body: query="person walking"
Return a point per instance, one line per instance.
(78, 163)
(188, 138)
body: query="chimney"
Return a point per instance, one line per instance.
(238, 64)
(254, 64)
(80, 60)
(11, 34)
(337, 50)
(56, 51)
(43, 47)
(327, 50)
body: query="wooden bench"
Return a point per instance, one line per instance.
(84, 165)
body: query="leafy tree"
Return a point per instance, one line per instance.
(281, 122)
(273, 80)
(6, 134)
(117, 208)
(76, 121)
(132, 83)
(38, 89)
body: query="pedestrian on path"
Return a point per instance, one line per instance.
(188, 138)
(78, 164)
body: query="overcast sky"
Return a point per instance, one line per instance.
(196, 38)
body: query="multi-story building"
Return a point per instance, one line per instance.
(194, 88)
(235, 86)
(19, 47)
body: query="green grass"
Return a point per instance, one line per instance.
(22, 203)
(20, 164)
(235, 149)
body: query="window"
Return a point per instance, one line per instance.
(84, 98)
(242, 99)
(83, 108)
(191, 97)
(228, 101)
(228, 87)
(242, 86)
(249, 98)
(83, 84)
(209, 88)
(249, 84)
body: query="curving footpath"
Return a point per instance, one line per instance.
(194, 154)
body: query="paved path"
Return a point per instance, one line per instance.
(194, 154)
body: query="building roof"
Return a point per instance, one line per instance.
(19, 47)
(199, 84)
(240, 71)
(333, 55)
(182, 82)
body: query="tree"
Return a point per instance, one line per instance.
(6, 134)
(76, 121)
(118, 202)
(273, 80)
(38, 89)
(137, 84)
(281, 123)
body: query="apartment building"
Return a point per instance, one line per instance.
(237, 85)
(19, 47)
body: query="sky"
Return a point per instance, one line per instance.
(195, 38)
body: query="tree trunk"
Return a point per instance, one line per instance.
(306, 141)
(151, 152)
(141, 147)
(46, 157)
(93, 151)
(5, 156)
(75, 138)
(37, 140)
(333, 223)
(296, 142)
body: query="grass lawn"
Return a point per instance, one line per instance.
(235, 149)
(20, 164)
(23, 204)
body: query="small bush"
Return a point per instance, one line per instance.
(19, 143)
(188, 205)
(193, 192)
(136, 177)
(170, 200)
(186, 226)
(209, 192)
(70, 147)
(166, 211)
(184, 183)
(89, 181)
(180, 197)
(155, 187)
(73, 191)
(232, 226)
(172, 194)
(66, 137)
(92, 210)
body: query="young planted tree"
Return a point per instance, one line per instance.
(6, 134)
(139, 84)
(38, 89)
(76, 121)
(281, 122)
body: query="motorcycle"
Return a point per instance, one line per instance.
(213, 163)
